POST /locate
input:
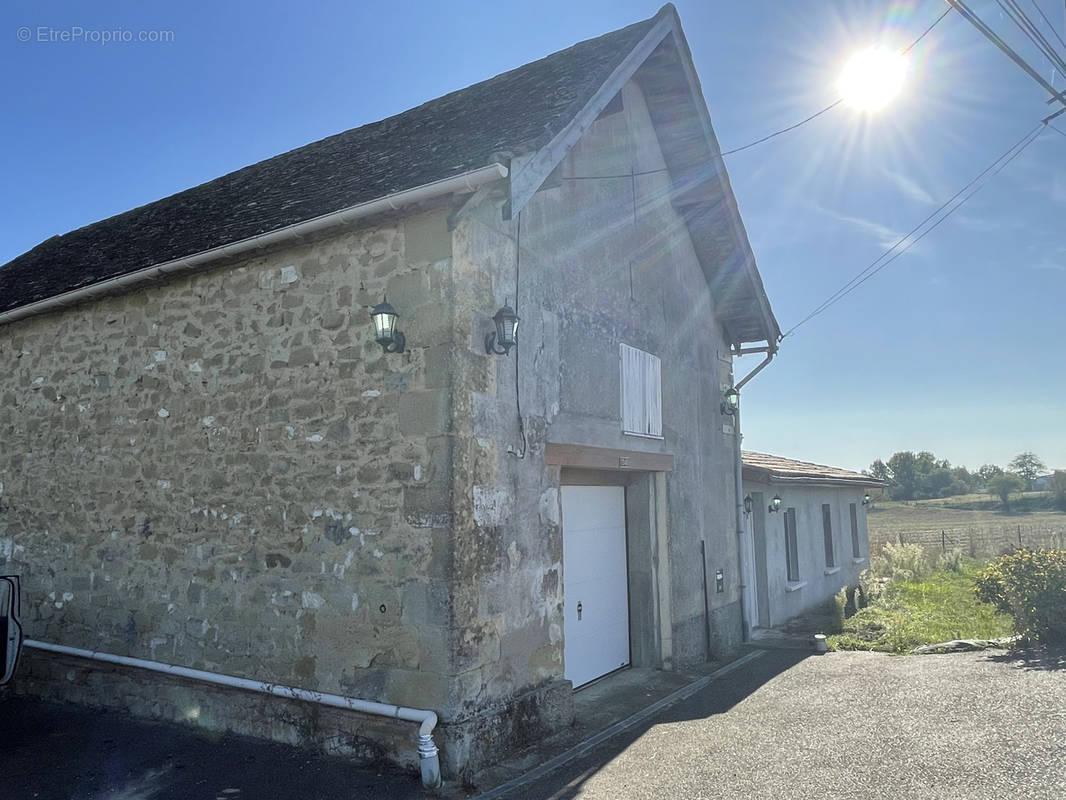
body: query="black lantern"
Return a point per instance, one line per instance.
(504, 337)
(730, 402)
(748, 503)
(384, 318)
(866, 499)
(775, 504)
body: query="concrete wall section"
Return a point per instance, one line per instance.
(817, 583)
(601, 262)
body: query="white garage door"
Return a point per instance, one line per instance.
(595, 597)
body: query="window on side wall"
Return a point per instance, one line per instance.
(791, 546)
(642, 406)
(856, 550)
(827, 532)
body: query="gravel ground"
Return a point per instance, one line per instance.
(844, 725)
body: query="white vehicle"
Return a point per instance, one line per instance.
(10, 626)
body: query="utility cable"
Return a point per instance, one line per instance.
(995, 38)
(902, 245)
(1044, 17)
(770, 136)
(1026, 25)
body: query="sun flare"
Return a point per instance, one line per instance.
(872, 78)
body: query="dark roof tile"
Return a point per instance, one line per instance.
(514, 111)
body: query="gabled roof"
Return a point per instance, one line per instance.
(764, 468)
(534, 113)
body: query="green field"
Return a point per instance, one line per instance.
(975, 523)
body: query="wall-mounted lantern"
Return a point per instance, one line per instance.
(384, 317)
(501, 340)
(866, 499)
(748, 503)
(775, 504)
(730, 402)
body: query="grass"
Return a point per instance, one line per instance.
(912, 613)
(962, 510)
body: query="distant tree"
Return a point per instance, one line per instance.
(987, 472)
(1028, 466)
(1003, 485)
(1058, 489)
(963, 479)
(879, 470)
(903, 466)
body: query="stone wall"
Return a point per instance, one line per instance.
(225, 472)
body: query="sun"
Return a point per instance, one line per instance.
(872, 78)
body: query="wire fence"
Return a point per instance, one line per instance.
(976, 541)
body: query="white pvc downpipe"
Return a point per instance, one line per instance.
(467, 181)
(428, 757)
(744, 566)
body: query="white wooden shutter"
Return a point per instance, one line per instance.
(641, 379)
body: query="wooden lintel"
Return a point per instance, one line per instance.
(586, 457)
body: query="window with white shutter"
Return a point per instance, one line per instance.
(642, 401)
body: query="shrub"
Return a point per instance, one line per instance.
(950, 560)
(1030, 585)
(901, 562)
(870, 589)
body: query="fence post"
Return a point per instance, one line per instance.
(1019, 536)
(943, 542)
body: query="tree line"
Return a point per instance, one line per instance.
(923, 476)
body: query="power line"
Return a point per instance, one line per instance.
(835, 103)
(1044, 16)
(903, 245)
(770, 136)
(1026, 25)
(997, 40)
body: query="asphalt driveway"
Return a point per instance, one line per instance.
(50, 751)
(844, 725)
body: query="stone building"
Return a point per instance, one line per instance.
(208, 462)
(807, 528)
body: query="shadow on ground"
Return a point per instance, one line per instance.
(1036, 658)
(718, 697)
(51, 750)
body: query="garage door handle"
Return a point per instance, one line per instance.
(579, 611)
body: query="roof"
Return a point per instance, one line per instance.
(514, 111)
(765, 468)
(534, 110)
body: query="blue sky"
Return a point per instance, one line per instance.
(956, 347)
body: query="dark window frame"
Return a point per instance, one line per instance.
(856, 548)
(791, 547)
(827, 533)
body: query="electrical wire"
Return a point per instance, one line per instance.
(968, 14)
(770, 136)
(902, 245)
(1044, 17)
(1026, 25)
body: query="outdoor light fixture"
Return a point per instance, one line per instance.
(504, 337)
(730, 402)
(384, 317)
(866, 499)
(748, 503)
(775, 504)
